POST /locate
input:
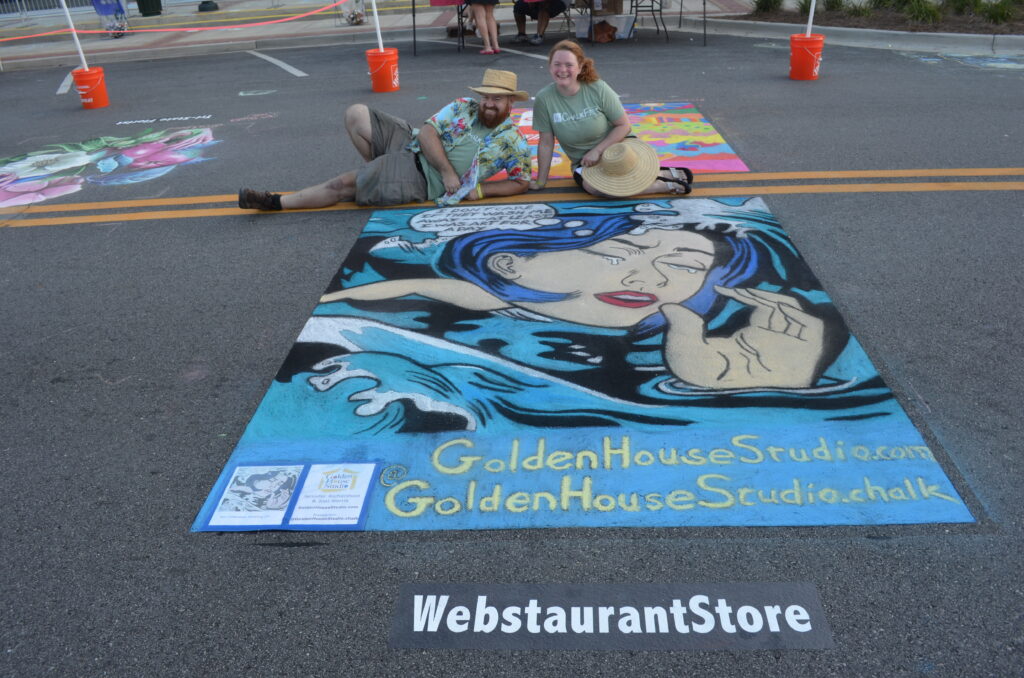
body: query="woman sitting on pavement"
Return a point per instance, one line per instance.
(586, 117)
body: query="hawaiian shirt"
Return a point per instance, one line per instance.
(503, 148)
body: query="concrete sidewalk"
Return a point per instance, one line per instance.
(181, 30)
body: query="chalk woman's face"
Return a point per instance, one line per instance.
(617, 282)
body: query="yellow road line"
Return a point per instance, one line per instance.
(126, 216)
(734, 191)
(117, 204)
(569, 183)
(865, 188)
(163, 214)
(862, 174)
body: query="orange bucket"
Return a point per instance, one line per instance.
(92, 88)
(805, 56)
(383, 69)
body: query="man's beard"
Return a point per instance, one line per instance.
(491, 118)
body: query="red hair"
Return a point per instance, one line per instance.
(588, 72)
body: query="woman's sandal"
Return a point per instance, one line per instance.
(487, 51)
(676, 184)
(688, 175)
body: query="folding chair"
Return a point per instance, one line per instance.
(652, 6)
(567, 20)
(565, 15)
(585, 13)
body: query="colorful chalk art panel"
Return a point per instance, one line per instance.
(637, 363)
(677, 131)
(60, 169)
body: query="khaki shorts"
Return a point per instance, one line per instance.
(392, 177)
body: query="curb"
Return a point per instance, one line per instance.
(955, 43)
(148, 53)
(959, 43)
(90, 21)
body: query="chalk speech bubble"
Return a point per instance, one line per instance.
(707, 214)
(455, 221)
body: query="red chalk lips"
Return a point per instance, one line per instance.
(627, 299)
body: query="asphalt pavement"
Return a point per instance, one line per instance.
(136, 348)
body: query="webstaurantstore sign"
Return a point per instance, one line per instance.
(739, 616)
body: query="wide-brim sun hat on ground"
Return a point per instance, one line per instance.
(501, 82)
(626, 168)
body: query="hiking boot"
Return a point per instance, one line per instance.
(521, 39)
(249, 199)
(537, 40)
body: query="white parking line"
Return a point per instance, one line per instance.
(532, 55)
(65, 86)
(277, 62)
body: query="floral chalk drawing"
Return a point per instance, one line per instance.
(60, 169)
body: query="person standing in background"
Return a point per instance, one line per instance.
(486, 26)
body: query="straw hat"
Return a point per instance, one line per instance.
(626, 168)
(501, 82)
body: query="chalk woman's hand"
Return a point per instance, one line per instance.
(780, 348)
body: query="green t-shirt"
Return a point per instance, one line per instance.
(578, 122)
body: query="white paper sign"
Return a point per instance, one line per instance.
(333, 494)
(257, 495)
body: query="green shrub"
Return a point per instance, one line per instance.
(898, 5)
(858, 10)
(998, 12)
(923, 11)
(803, 6)
(834, 5)
(767, 5)
(961, 7)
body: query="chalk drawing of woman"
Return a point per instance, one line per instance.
(633, 271)
(640, 315)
